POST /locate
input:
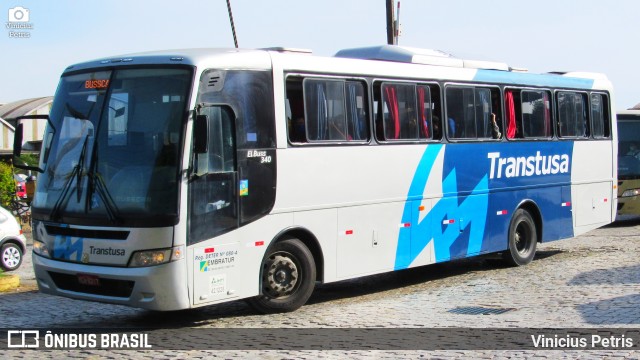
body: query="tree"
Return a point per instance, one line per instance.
(7, 184)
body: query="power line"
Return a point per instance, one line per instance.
(233, 27)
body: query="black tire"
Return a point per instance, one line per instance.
(11, 257)
(287, 278)
(523, 239)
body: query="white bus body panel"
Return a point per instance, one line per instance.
(592, 192)
(228, 266)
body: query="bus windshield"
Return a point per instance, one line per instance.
(628, 147)
(111, 151)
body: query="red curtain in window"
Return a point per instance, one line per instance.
(422, 115)
(392, 103)
(511, 114)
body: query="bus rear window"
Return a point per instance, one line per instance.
(600, 116)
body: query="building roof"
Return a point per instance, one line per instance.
(637, 107)
(14, 109)
(3, 122)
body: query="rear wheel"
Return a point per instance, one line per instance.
(288, 277)
(11, 257)
(522, 239)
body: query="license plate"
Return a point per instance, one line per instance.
(88, 280)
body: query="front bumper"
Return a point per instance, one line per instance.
(162, 287)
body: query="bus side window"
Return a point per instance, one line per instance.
(220, 156)
(325, 110)
(357, 111)
(454, 106)
(400, 120)
(425, 123)
(484, 123)
(572, 114)
(295, 111)
(536, 114)
(496, 110)
(471, 111)
(213, 195)
(378, 109)
(513, 112)
(600, 116)
(436, 111)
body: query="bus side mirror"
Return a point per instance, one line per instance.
(17, 141)
(29, 160)
(200, 134)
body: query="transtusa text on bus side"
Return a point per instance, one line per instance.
(527, 165)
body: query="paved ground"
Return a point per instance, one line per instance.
(589, 281)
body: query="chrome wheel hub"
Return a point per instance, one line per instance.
(280, 276)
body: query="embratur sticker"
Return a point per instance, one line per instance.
(244, 187)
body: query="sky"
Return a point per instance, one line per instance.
(541, 36)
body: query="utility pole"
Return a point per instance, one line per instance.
(391, 31)
(396, 26)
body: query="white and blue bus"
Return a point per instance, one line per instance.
(180, 179)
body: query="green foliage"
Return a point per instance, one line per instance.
(7, 184)
(31, 159)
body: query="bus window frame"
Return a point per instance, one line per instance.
(557, 114)
(552, 105)
(376, 87)
(302, 77)
(606, 115)
(445, 110)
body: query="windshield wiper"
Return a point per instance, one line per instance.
(110, 206)
(77, 173)
(97, 184)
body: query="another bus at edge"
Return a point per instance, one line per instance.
(629, 162)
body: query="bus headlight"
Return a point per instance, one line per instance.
(631, 192)
(156, 257)
(41, 249)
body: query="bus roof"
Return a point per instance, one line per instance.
(386, 60)
(417, 56)
(194, 57)
(629, 112)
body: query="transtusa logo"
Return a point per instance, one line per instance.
(527, 165)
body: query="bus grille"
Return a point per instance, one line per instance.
(107, 287)
(86, 233)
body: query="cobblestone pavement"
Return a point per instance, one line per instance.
(589, 281)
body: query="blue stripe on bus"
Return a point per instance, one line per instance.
(546, 80)
(464, 222)
(418, 184)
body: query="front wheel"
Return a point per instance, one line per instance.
(287, 277)
(11, 257)
(522, 239)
